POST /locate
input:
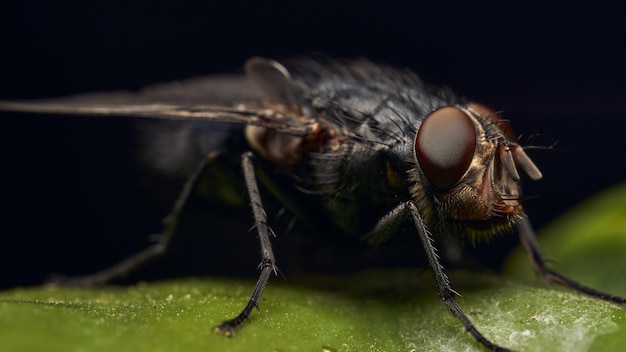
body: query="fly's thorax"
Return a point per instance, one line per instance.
(466, 170)
(296, 133)
(367, 183)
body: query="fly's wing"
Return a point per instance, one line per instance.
(221, 98)
(169, 138)
(262, 97)
(204, 98)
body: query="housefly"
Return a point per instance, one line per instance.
(369, 147)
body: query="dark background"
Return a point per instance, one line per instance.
(75, 202)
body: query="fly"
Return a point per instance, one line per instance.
(370, 144)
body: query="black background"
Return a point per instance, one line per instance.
(70, 190)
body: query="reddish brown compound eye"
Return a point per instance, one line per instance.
(444, 146)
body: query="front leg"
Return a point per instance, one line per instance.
(443, 283)
(387, 225)
(390, 222)
(268, 264)
(529, 242)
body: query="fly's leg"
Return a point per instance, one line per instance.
(529, 241)
(160, 248)
(268, 264)
(408, 209)
(387, 225)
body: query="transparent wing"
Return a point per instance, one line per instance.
(220, 98)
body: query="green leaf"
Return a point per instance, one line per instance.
(380, 310)
(390, 310)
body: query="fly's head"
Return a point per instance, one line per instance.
(467, 176)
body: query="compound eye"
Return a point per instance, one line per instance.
(444, 146)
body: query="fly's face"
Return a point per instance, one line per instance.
(467, 175)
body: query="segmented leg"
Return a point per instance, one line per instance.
(137, 260)
(529, 241)
(390, 221)
(268, 264)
